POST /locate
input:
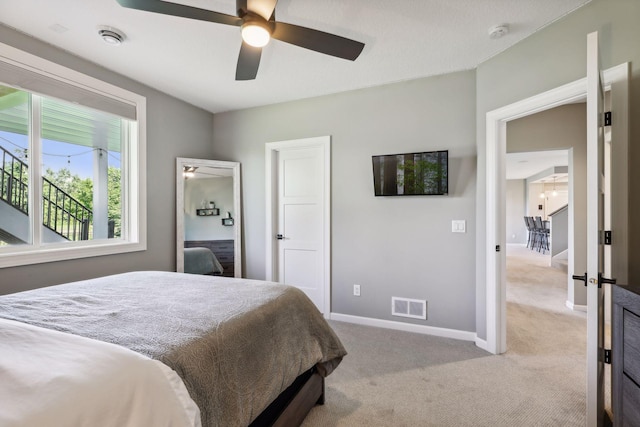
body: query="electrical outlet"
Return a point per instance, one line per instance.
(356, 290)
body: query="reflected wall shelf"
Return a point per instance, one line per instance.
(208, 212)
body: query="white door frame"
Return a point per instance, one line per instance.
(271, 171)
(496, 149)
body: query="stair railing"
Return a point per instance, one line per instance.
(14, 175)
(64, 214)
(61, 213)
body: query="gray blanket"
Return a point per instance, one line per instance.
(236, 343)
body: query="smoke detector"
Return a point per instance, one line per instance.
(111, 35)
(498, 31)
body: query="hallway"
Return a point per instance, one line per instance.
(541, 327)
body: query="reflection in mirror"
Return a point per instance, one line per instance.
(208, 221)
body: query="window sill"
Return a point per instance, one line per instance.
(60, 253)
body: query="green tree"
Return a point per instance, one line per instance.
(82, 190)
(72, 184)
(114, 189)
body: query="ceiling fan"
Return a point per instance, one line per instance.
(256, 18)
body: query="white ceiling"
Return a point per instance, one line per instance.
(525, 165)
(195, 61)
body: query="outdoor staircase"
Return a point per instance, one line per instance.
(64, 218)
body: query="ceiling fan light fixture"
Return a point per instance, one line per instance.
(258, 24)
(255, 32)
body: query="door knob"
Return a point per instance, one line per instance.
(581, 278)
(602, 280)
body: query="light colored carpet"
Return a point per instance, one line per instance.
(392, 378)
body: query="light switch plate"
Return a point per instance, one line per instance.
(458, 226)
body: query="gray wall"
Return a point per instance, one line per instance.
(563, 127)
(174, 129)
(391, 246)
(218, 190)
(516, 204)
(554, 56)
(559, 232)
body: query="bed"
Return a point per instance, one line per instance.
(247, 352)
(201, 261)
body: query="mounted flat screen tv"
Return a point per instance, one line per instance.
(411, 174)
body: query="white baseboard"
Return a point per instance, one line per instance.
(576, 307)
(480, 343)
(407, 327)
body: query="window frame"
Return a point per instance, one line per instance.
(134, 202)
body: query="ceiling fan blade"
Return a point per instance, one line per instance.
(318, 41)
(241, 6)
(248, 62)
(183, 11)
(263, 8)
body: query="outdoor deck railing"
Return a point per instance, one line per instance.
(14, 176)
(64, 214)
(61, 213)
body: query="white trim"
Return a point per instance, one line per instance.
(407, 327)
(237, 216)
(135, 202)
(55, 71)
(496, 120)
(270, 193)
(271, 170)
(619, 79)
(482, 344)
(575, 307)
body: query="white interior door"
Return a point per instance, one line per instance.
(300, 233)
(595, 226)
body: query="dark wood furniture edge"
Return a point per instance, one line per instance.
(624, 298)
(617, 316)
(292, 406)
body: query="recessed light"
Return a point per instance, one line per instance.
(111, 35)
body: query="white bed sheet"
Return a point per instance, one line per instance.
(50, 378)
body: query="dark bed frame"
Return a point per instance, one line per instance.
(292, 406)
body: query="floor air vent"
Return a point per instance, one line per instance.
(405, 307)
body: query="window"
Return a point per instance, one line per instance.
(71, 164)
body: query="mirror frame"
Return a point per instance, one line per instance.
(237, 218)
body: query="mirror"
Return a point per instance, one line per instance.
(208, 216)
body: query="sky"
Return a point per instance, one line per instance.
(57, 155)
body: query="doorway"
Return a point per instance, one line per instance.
(541, 322)
(617, 80)
(539, 217)
(298, 216)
